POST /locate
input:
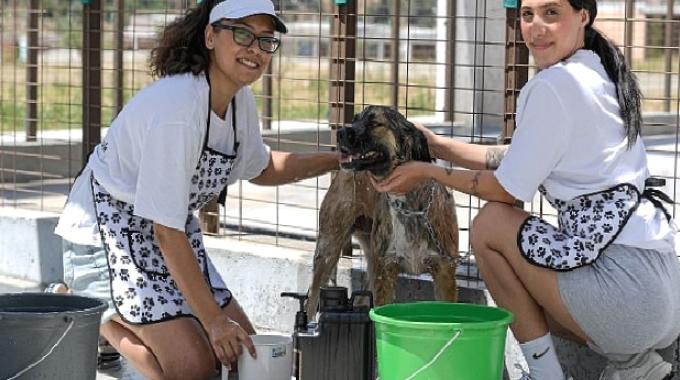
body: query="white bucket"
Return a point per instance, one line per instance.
(274, 359)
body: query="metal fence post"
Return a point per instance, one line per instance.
(267, 113)
(516, 70)
(628, 24)
(395, 9)
(668, 53)
(342, 67)
(92, 70)
(450, 90)
(32, 46)
(118, 56)
(342, 74)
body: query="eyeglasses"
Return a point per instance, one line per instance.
(245, 38)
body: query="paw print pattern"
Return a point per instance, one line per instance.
(587, 224)
(143, 290)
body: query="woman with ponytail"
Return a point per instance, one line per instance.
(131, 236)
(607, 274)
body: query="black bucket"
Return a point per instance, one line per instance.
(49, 336)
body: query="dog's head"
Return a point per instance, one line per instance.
(379, 139)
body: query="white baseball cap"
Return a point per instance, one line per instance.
(238, 9)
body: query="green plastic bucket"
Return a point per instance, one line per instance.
(440, 341)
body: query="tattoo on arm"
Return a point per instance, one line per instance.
(494, 155)
(475, 183)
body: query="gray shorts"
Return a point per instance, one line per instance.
(86, 273)
(627, 301)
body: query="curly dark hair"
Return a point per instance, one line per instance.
(181, 48)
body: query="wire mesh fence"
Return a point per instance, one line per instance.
(455, 66)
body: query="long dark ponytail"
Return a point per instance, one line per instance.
(627, 89)
(181, 48)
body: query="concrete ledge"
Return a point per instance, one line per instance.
(258, 273)
(29, 250)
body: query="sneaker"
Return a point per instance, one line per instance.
(107, 356)
(57, 288)
(527, 376)
(648, 365)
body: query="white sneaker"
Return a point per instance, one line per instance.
(527, 376)
(648, 365)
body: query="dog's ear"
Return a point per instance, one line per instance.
(358, 116)
(420, 150)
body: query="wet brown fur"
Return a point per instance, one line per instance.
(353, 207)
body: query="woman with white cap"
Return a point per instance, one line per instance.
(128, 225)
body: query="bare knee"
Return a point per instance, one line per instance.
(193, 359)
(482, 228)
(195, 368)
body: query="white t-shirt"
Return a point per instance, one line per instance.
(570, 139)
(151, 151)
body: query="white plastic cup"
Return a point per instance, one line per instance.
(274, 359)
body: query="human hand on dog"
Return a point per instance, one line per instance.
(404, 178)
(226, 337)
(432, 138)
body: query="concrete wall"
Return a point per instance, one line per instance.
(29, 250)
(26, 161)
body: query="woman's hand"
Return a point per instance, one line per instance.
(405, 177)
(432, 138)
(226, 337)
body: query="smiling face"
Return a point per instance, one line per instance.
(552, 30)
(239, 65)
(379, 140)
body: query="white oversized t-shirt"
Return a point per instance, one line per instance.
(570, 139)
(151, 151)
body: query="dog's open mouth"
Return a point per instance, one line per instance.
(359, 161)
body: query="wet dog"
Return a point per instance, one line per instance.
(415, 233)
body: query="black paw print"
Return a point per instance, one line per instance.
(118, 300)
(130, 293)
(144, 252)
(141, 283)
(148, 303)
(138, 238)
(533, 239)
(134, 310)
(103, 218)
